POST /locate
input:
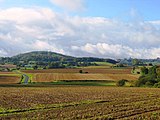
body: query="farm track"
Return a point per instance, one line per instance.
(25, 77)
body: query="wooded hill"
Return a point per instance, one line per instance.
(45, 56)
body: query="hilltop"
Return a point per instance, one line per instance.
(43, 56)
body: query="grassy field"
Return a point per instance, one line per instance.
(100, 65)
(103, 63)
(79, 103)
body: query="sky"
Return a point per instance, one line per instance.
(95, 28)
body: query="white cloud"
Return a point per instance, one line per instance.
(71, 5)
(155, 22)
(22, 15)
(27, 29)
(42, 45)
(116, 51)
(3, 53)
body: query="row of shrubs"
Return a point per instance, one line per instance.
(150, 77)
(139, 83)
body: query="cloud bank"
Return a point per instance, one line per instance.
(28, 29)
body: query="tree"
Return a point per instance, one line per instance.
(158, 73)
(150, 64)
(149, 79)
(120, 65)
(157, 85)
(80, 71)
(35, 67)
(8, 69)
(133, 68)
(121, 82)
(152, 70)
(144, 70)
(141, 81)
(135, 62)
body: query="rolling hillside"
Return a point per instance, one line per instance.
(45, 56)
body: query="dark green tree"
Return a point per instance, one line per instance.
(144, 70)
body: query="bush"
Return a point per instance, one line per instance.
(151, 78)
(121, 82)
(80, 71)
(149, 84)
(144, 70)
(144, 80)
(138, 72)
(157, 85)
(141, 81)
(158, 79)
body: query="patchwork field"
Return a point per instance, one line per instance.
(79, 103)
(111, 74)
(50, 77)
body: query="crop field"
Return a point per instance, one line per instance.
(89, 70)
(79, 103)
(50, 77)
(2, 73)
(9, 79)
(8, 66)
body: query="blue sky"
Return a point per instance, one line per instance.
(97, 28)
(148, 9)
